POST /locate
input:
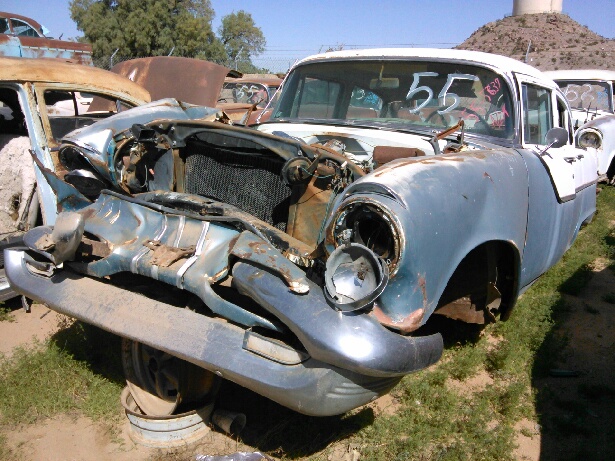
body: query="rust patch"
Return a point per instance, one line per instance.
(423, 286)
(486, 175)
(406, 325)
(463, 309)
(165, 255)
(257, 247)
(89, 247)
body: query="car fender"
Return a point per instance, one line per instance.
(447, 206)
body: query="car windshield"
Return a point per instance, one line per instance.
(402, 94)
(584, 94)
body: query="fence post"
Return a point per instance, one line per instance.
(111, 58)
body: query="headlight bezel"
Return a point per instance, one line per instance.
(589, 138)
(359, 214)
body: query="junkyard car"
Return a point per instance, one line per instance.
(300, 260)
(590, 94)
(31, 94)
(23, 37)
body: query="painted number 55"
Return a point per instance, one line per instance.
(415, 88)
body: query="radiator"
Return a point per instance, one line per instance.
(251, 182)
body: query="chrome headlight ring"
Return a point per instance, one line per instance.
(368, 222)
(589, 137)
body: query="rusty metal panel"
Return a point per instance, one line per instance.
(69, 74)
(193, 80)
(36, 47)
(12, 43)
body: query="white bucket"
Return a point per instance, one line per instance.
(165, 431)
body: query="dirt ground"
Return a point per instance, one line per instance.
(587, 363)
(69, 437)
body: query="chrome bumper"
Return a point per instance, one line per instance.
(367, 364)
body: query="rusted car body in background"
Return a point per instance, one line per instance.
(590, 93)
(301, 259)
(201, 83)
(30, 120)
(201, 80)
(23, 37)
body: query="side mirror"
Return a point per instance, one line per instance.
(556, 137)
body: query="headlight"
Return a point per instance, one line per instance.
(589, 137)
(369, 223)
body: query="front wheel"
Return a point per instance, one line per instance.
(160, 382)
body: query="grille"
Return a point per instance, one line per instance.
(252, 183)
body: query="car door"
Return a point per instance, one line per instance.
(555, 211)
(538, 117)
(584, 162)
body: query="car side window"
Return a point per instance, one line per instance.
(537, 113)
(563, 117)
(4, 26)
(12, 119)
(24, 29)
(69, 110)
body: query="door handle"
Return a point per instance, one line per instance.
(570, 159)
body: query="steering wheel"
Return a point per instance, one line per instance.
(442, 118)
(482, 120)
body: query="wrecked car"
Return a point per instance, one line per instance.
(590, 94)
(301, 259)
(41, 101)
(23, 37)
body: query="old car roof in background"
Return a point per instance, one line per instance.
(194, 80)
(255, 78)
(30, 21)
(60, 71)
(581, 74)
(501, 62)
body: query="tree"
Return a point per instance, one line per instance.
(241, 38)
(148, 27)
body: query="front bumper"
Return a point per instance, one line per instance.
(344, 359)
(314, 386)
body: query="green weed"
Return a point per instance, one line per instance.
(6, 314)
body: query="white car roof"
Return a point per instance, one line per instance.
(581, 74)
(503, 63)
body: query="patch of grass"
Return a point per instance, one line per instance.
(6, 314)
(465, 361)
(69, 373)
(6, 453)
(577, 281)
(44, 381)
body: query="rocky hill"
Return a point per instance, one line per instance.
(555, 42)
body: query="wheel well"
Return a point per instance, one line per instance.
(610, 172)
(483, 284)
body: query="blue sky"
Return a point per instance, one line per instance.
(298, 28)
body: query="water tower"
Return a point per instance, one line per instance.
(536, 6)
